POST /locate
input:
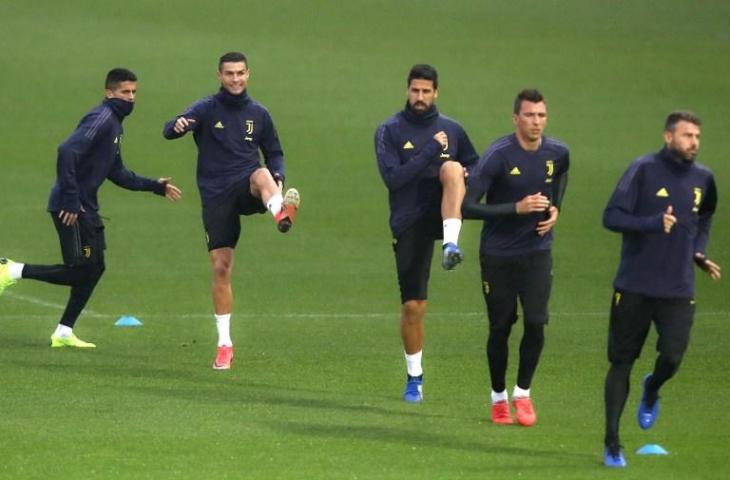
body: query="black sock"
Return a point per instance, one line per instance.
(530, 349)
(497, 355)
(664, 369)
(77, 300)
(615, 394)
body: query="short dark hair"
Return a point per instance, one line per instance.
(117, 76)
(232, 57)
(681, 116)
(423, 72)
(528, 94)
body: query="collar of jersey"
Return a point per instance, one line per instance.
(417, 117)
(674, 160)
(233, 100)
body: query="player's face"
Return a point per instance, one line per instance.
(685, 139)
(421, 94)
(234, 77)
(531, 120)
(123, 90)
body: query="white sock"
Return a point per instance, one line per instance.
(413, 364)
(15, 270)
(63, 331)
(452, 227)
(274, 203)
(519, 393)
(223, 324)
(499, 396)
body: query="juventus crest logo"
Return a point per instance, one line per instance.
(249, 127)
(550, 165)
(697, 199)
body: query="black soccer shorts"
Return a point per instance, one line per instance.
(525, 277)
(83, 242)
(413, 253)
(630, 321)
(222, 217)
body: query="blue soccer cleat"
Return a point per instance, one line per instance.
(414, 389)
(613, 456)
(647, 415)
(452, 256)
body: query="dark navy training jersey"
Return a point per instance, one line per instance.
(410, 160)
(654, 263)
(507, 173)
(91, 155)
(229, 131)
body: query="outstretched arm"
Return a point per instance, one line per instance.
(172, 192)
(189, 120)
(177, 127)
(129, 180)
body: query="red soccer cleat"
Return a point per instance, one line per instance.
(525, 413)
(285, 218)
(501, 414)
(223, 358)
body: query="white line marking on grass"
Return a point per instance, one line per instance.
(44, 303)
(304, 316)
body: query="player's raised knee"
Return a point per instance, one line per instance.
(451, 170)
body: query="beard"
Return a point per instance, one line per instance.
(685, 154)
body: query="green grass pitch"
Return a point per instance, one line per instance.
(315, 389)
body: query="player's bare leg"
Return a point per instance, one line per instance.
(451, 176)
(221, 262)
(412, 334)
(284, 209)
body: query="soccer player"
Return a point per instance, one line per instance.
(89, 156)
(663, 206)
(523, 177)
(229, 129)
(422, 157)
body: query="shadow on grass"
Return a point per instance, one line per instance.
(204, 386)
(489, 445)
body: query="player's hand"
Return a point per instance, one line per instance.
(183, 124)
(668, 219)
(69, 218)
(532, 203)
(712, 269)
(279, 181)
(546, 225)
(171, 191)
(442, 139)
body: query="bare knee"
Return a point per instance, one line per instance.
(451, 171)
(221, 266)
(262, 184)
(413, 311)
